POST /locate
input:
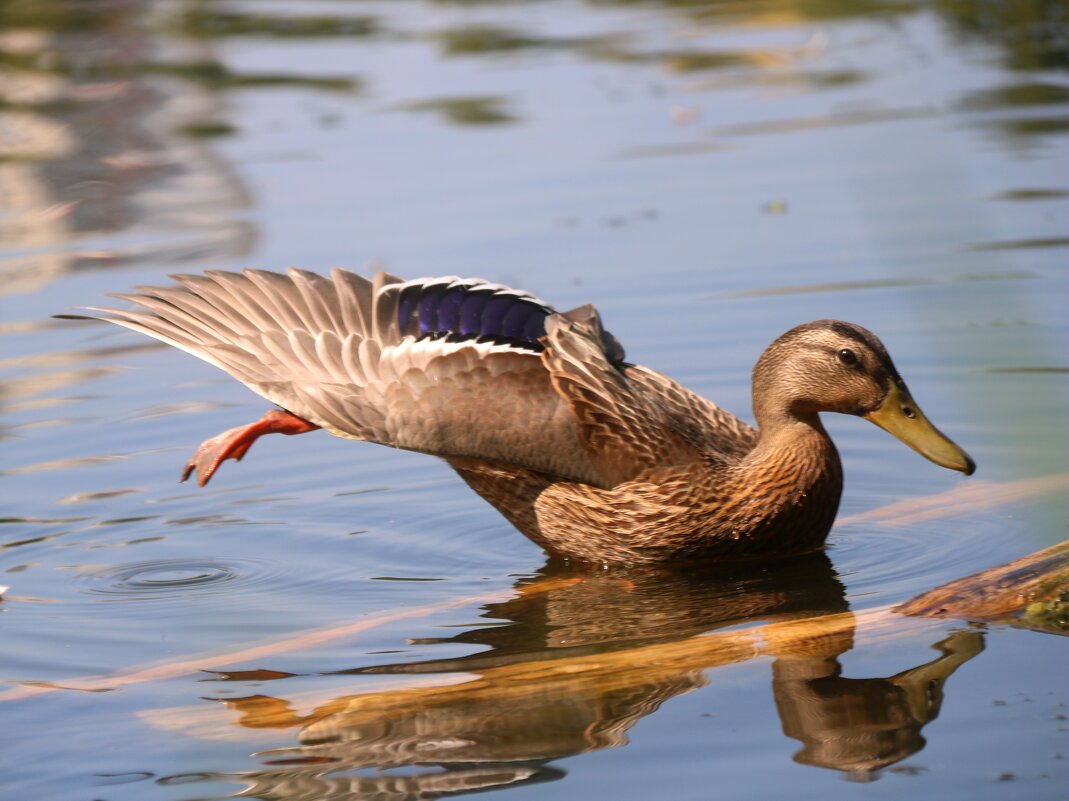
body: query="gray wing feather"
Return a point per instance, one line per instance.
(330, 351)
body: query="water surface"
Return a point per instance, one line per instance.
(337, 620)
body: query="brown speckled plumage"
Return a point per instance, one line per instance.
(591, 457)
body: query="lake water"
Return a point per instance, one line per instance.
(336, 620)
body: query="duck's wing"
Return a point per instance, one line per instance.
(446, 366)
(623, 428)
(712, 429)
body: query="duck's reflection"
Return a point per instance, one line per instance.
(561, 612)
(584, 656)
(862, 725)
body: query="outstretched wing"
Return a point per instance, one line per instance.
(446, 366)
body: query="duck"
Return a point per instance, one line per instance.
(593, 458)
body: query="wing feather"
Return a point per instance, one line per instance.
(354, 293)
(329, 352)
(318, 296)
(335, 352)
(623, 432)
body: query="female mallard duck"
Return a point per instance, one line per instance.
(590, 456)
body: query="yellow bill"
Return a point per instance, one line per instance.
(900, 416)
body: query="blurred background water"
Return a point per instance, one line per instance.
(709, 173)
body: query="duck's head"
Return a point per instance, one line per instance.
(832, 366)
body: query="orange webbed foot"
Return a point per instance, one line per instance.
(234, 443)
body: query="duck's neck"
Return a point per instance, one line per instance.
(795, 470)
(799, 444)
(791, 438)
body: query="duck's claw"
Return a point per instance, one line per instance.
(235, 442)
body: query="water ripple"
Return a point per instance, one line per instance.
(910, 560)
(163, 578)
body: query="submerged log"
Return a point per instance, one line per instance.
(1031, 592)
(603, 693)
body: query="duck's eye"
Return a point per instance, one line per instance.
(848, 357)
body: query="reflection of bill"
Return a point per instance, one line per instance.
(861, 725)
(578, 664)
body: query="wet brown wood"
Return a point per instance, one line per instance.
(1032, 591)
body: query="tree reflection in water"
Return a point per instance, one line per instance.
(582, 657)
